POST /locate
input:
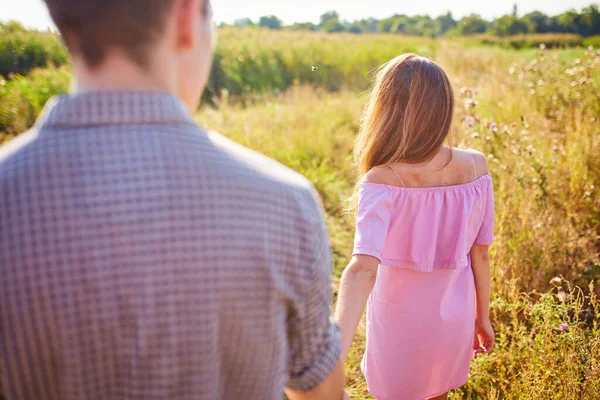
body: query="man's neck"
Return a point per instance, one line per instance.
(118, 73)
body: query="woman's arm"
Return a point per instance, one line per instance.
(480, 263)
(357, 282)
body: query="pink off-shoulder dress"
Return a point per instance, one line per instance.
(421, 312)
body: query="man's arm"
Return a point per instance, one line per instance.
(315, 369)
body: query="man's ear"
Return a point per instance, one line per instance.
(187, 13)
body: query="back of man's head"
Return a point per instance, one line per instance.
(91, 27)
(171, 41)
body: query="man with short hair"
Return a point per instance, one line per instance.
(140, 256)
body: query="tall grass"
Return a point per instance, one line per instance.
(518, 42)
(543, 154)
(255, 61)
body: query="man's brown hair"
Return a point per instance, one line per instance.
(91, 27)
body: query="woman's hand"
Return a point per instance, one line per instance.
(484, 337)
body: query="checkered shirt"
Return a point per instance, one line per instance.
(144, 258)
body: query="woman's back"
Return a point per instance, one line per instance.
(433, 225)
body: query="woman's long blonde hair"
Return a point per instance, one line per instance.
(408, 116)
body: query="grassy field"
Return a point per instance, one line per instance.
(534, 113)
(540, 132)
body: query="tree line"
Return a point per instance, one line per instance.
(584, 23)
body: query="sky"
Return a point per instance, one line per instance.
(33, 13)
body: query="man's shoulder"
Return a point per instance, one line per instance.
(261, 170)
(16, 148)
(256, 173)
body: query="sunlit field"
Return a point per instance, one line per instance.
(535, 113)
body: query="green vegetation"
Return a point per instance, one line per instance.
(22, 50)
(584, 23)
(249, 64)
(534, 113)
(518, 42)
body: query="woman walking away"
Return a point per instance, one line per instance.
(424, 221)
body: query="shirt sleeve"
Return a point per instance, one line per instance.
(486, 231)
(314, 337)
(372, 222)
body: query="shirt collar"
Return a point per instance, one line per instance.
(113, 108)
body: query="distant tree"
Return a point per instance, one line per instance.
(355, 27)
(509, 25)
(472, 24)
(446, 22)
(329, 15)
(243, 22)
(385, 25)
(540, 21)
(590, 18)
(401, 25)
(570, 22)
(585, 23)
(304, 26)
(271, 22)
(332, 26)
(426, 26)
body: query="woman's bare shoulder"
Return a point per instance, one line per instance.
(380, 175)
(479, 158)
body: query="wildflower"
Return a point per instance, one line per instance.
(542, 47)
(557, 280)
(563, 296)
(511, 70)
(471, 103)
(470, 123)
(463, 90)
(555, 148)
(563, 327)
(534, 333)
